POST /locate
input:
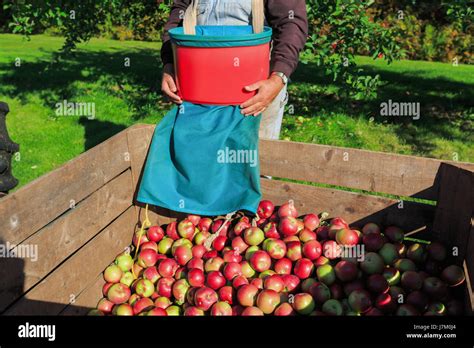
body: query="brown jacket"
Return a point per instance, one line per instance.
(289, 34)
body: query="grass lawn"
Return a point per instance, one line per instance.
(127, 95)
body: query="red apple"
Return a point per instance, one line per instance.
(311, 221)
(195, 263)
(142, 305)
(213, 264)
(149, 245)
(276, 248)
(105, 306)
(113, 274)
(347, 237)
(196, 277)
(268, 300)
(155, 234)
(152, 274)
(370, 228)
(198, 251)
(240, 227)
(147, 258)
(283, 266)
(144, 288)
(247, 294)
(284, 309)
(183, 254)
(322, 232)
(167, 267)
(215, 280)
(204, 298)
(253, 236)
(303, 268)
(307, 235)
(304, 303)
(164, 286)
(139, 238)
(204, 224)
(231, 256)
(186, 229)
(193, 312)
(265, 209)
(312, 249)
(221, 309)
(257, 282)
(159, 312)
(118, 293)
(239, 245)
(239, 281)
(274, 282)
(195, 219)
(123, 310)
(294, 251)
(232, 270)
(346, 271)
(171, 230)
(287, 209)
(291, 282)
(226, 294)
(219, 243)
(288, 226)
(260, 261)
(270, 230)
(252, 311)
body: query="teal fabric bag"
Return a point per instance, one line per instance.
(203, 160)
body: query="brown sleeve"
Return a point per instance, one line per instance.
(289, 21)
(174, 20)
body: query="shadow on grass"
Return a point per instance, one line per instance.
(136, 84)
(446, 106)
(97, 131)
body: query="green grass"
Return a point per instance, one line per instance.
(127, 95)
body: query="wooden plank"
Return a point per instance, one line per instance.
(55, 291)
(355, 208)
(455, 209)
(40, 202)
(366, 170)
(469, 303)
(55, 242)
(87, 299)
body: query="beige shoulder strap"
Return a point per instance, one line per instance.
(190, 17)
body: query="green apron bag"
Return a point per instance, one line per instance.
(203, 160)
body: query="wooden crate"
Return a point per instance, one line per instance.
(83, 214)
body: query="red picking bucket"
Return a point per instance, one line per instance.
(218, 75)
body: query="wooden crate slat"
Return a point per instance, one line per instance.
(64, 236)
(455, 209)
(360, 169)
(33, 206)
(355, 208)
(54, 292)
(87, 299)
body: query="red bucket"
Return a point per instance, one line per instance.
(215, 65)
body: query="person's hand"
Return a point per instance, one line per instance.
(267, 91)
(168, 86)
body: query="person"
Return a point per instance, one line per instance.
(288, 20)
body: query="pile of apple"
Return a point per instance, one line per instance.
(279, 264)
